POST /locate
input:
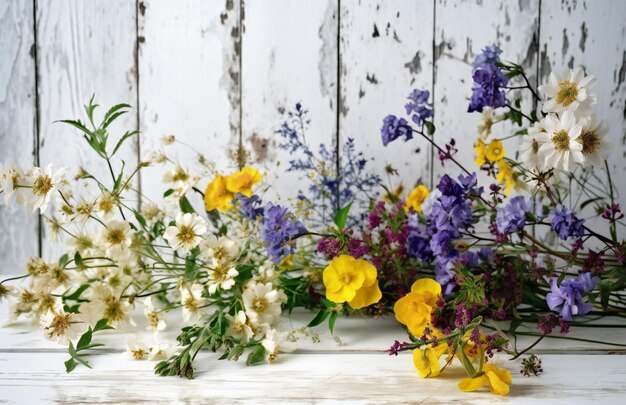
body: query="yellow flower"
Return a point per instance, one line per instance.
(494, 151)
(506, 176)
(426, 361)
(479, 148)
(414, 309)
(497, 379)
(242, 181)
(416, 198)
(216, 196)
(352, 280)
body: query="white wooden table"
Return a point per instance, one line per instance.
(32, 371)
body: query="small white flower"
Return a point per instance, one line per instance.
(154, 157)
(488, 119)
(568, 92)
(262, 302)
(277, 341)
(136, 349)
(559, 145)
(152, 213)
(222, 277)
(44, 185)
(181, 179)
(11, 177)
(192, 301)
(159, 351)
(106, 205)
(168, 139)
(529, 149)
(187, 234)
(115, 237)
(156, 323)
(239, 328)
(218, 250)
(267, 273)
(593, 140)
(60, 326)
(105, 303)
(83, 241)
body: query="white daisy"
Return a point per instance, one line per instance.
(529, 149)
(277, 341)
(159, 351)
(559, 145)
(222, 277)
(11, 177)
(192, 301)
(239, 328)
(593, 140)
(136, 349)
(154, 157)
(187, 234)
(60, 326)
(262, 302)
(181, 179)
(568, 92)
(156, 323)
(106, 205)
(218, 250)
(106, 304)
(152, 213)
(115, 237)
(44, 185)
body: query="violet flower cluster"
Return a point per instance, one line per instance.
(566, 224)
(489, 81)
(567, 298)
(278, 229)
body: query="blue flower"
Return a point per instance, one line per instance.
(489, 81)
(418, 241)
(567, 298)
(566, 224)
(393, 128)
(278, 228)
(418, 108)
(250, 206)
(512, 217)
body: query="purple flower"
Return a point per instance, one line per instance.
(566, 224)
(277, 229)
(250, 206)
(512, 217)
(393, 128)
(418, 108)
(418, 241)
(329, 247)
(489, 81)
(567, 298)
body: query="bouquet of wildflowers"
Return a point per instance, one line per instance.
(463, 266)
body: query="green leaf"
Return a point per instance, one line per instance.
(63, 260)
(70, 365)
(118, 181)
(319, 318)
(76, 294)
(141, 219)
(341, 217)
(589, 201)
(168, 192)
(191, 272)
(77, 124)
(245, 273)
(257, 355)
(235, 352)
(185, 205)
(430, 127)
(331, 321)
(84, 340)
(122, 139)
(78, 259)
(102, 324)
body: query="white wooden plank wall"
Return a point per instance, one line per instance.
(221, 75)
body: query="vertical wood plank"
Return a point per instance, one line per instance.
(386, 52)
(19, 236)
(189, 83)
(289, 55)
(462, 29)
(84, 48)
(592, 34)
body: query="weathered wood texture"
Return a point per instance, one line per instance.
(19, 229)
(221, 75)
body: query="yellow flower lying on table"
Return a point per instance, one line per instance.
(414, 309)
(497, 379)
(426, 360)
(416, 198)
(351, 280)
(221, 191)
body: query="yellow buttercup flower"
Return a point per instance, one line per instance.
(351, 280)
(242, 181)
(494, 151)
(416, 198)
(497, 379)
(506, 176)
(216, 196)
(426, 361)
(414, 309)
(479, 148)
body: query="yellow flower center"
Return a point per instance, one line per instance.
(186, 234)
(191, 304)
(59, 325)
(260, 304)
(153, 319)
(590, 142)
(105, 204)
(567, 93)
(84, 208)
(220, 253)
(560, 139)
(115, 236)
(42, 185)
(138, 354)
(113, 309)
(180, 175)
(535, 146)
